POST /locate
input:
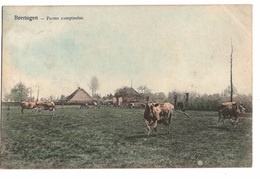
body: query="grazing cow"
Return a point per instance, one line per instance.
(95, 104)
(45, 105)
(90, 105)
(181, 106)
(156, 114)
(84, 105)
(230, 110)
(28, 105)
(131, 105)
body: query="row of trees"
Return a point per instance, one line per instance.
(196, 101)
(211, 102)
(21, 93)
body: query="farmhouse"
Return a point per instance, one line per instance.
(80, 96)
(125, 96)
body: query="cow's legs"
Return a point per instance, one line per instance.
(35, 110)
(39, 110)
(149, 130)
(148, 133)
(53, 113)
(219, 115)
(150, 126)
(53, 110)
(221, 118)
(235, 121)
(167, 122)
(168, 125)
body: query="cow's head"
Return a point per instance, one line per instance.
(150, 111)
(239, 107)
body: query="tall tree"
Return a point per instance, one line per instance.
(62, 98)
(124, 91)
(19, 92)
(94, 85)
(144, 91)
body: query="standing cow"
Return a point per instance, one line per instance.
(86, 105)
(156, 114)
(28, 105)
(131, 105)
(230, 110)
(45, 105)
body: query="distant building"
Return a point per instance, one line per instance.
(126, 95)
(80, 96)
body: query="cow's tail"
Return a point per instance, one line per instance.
(183, 113)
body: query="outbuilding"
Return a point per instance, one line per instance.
(79, 96)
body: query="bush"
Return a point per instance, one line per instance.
(208, 102)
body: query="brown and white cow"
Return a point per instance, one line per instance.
(45, 105)
(155, 114)
(27, 105)
(230, 110)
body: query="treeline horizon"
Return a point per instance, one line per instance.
(195, 101)
(211, 102)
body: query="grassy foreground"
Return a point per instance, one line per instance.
(116, 138)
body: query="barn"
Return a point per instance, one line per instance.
(125, 96)
(79, 96)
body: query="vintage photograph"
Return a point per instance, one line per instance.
(126, 86)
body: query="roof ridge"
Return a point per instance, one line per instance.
(75, 92)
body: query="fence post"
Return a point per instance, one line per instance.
(147, 99)
(186, 99)
(175, 100)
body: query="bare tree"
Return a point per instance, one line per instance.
(227, 92)
(94, 85)
(159, 97)
(7, 97)
(144, 90)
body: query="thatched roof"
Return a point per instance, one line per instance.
(79, 96)
(126, 91)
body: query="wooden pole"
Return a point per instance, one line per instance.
(175, 100)
(231, 77)
(38, 93)
(186, 99)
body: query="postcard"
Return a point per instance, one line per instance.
(126, 86)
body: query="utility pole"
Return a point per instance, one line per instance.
(30, 93)
(38, 94)
(231, 79)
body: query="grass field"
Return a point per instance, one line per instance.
(116, 138)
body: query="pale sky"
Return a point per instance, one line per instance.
(166, 48)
